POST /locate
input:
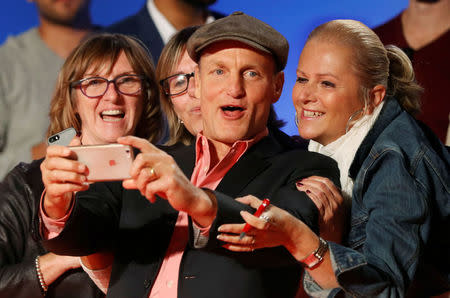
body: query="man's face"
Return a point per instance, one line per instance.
(236, 85)
(62, 12)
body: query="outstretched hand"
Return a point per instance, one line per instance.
(154, 172)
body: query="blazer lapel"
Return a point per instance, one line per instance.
(149, 34)
(184, 156)
(250, 165)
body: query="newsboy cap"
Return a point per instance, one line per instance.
(243, 28)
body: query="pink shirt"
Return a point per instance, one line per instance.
(166, 283)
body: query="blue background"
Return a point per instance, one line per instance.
(293, 18)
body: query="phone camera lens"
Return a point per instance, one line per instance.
(54, 139)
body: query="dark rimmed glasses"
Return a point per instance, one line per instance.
(176, 84)
(128, 84)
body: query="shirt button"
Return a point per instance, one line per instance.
(170, 284)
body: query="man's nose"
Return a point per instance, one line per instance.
(235, 86)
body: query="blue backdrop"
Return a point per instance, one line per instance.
(294, 18)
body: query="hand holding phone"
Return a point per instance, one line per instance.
(105, 162)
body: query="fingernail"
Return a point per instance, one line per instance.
(307, 191)
(219, 229)
(299, 183)
(219, 237)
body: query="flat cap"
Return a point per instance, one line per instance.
(243, 28)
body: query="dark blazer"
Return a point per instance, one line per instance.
(142, 26)
(107, 215)
(20, 194)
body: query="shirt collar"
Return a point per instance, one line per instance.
(165, 28)
(202, 140)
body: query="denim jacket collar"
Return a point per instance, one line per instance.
(390, 110)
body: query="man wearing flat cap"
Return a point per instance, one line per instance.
(168, 247)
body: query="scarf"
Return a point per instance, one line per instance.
(343, 149)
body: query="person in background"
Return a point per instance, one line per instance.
(29, 67)
(27, 269)
(175, 72)
(169, 248)
(158, 20)
(354, 99)
(422, 30)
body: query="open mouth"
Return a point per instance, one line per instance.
(112, 115)
(232, 111)
(312, 114)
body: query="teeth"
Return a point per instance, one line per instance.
(312, 114)
(112, 112)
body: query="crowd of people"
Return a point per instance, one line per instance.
(359, 201)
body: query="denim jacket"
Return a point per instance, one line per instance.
(399, 240)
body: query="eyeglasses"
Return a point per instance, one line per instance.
(176, 84)
(92, 87)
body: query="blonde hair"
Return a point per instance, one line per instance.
(169, 59)
(96, 51)
(374, 63)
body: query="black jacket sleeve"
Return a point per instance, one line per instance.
(20, 194)
(18, 248)
(284, 195)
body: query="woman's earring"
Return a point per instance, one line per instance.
(350, 119)
(296, 119)
(180, 121)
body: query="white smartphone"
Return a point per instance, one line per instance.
(108, 162)
(63, 137)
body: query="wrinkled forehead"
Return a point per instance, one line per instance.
(224, 46)
(231, 44)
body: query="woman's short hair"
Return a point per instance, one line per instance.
(168, 60)
(97, 51)
(374, 63)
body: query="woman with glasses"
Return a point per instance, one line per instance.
(175, 70)
(105, 89)
(355, 99)
(182, 109)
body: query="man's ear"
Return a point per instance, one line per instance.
(279, 82)
(376, 96)
(197, 81)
